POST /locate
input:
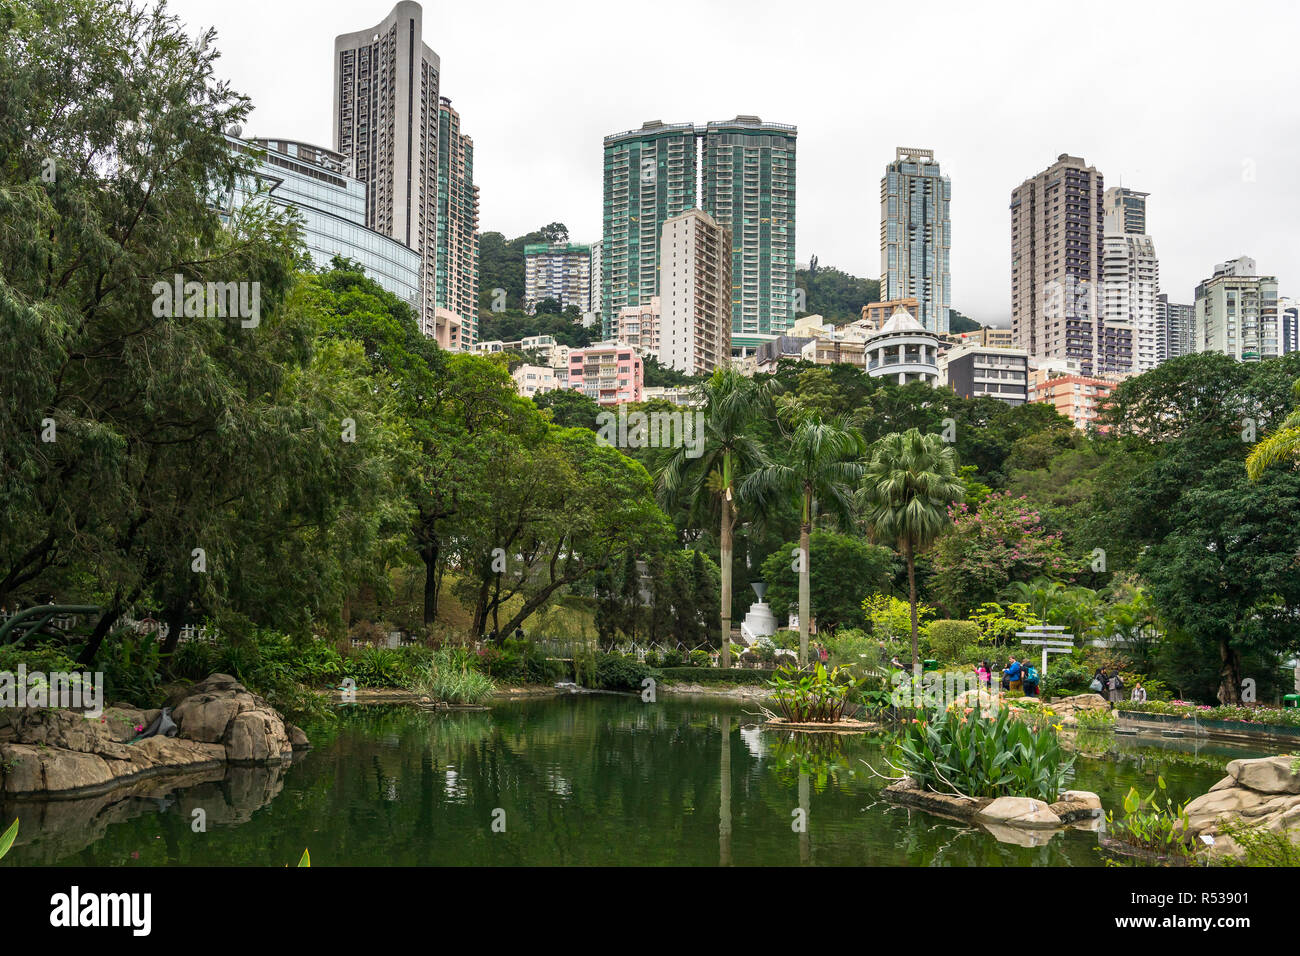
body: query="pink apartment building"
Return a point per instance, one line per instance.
(609, 372)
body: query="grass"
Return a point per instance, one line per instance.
(449, 678)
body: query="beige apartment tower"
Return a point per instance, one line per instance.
(1057, 249)
(386, 107)
(694, 293)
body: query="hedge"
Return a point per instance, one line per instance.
(714, 675)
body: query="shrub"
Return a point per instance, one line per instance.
(968, 753)
(949, 639)
(616, 672)
(672, 658)
(651, 659)
(448, 677)
(700, 658)
(714, 675)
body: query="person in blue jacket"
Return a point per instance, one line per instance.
(1013, 675)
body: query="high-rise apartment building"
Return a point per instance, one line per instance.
(1056, 262)
(1130, 278)
(745, 180)
(695, 293)
(597, 272)
(1125, 211)
(386, 108)
(650, 175)
(457, 223)
(559, 271)
(749, 190)
(1176, 326)
(1237, 313)
(916, 236)
(1289, 316)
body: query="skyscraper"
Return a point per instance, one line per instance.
(1177, 326)
(916, 235)
(749, 189)
(457, 224)
(1056, 262)
(403, 140)
(1237, 313)
(650, 176)
(1125, 211)
(1131, 275)
(695, 294)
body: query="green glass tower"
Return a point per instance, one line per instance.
(650, 176)
(749, 188)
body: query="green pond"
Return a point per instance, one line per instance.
(585, 779)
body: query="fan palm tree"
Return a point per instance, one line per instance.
(1282, 445)
(909, 484)
(1041, 595)
(704, 478)
(820, 467)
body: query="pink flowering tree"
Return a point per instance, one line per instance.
(1001, 541)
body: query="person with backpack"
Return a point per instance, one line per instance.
(1030, 677)
(1098, 685)
(1014, 676)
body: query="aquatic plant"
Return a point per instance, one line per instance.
(448, 677)
(970, 753)
(812, 696)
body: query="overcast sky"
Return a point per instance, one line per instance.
(1197, 103)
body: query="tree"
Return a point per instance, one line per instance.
(1225, 574)
(907, 489)
(989, 547)
(848, 569)
(819, 467)
(569, 408)
(1281, 446)
(708, 484)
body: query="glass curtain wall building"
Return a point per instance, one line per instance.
(331, 206)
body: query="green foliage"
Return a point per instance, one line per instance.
(714, 675)
(949, 640)
(1151, 824)
(891, 619)
(7, 838)
(973, 754)
(1260, 846)
(812, 695)
(617, 672)
(835, 294)
(520, 662)
(449, 676)
(845, 569)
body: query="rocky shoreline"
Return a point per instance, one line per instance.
(63, 753)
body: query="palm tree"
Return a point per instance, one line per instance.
(1041, 595)
(706, 483)
(906, 491)
(820, 468)
(1282, 445)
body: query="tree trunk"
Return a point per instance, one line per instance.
(1229, 675)
(805, 586)
(725, 555)
(429, 554)
(911, 597)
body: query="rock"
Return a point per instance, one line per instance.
(218, 722)
(1086, 797)
(1262, 793)
(1265, 775)
(297, 739)
(1019, 836)
(1020, 811)
(1071, 706)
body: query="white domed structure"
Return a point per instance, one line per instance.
(903, 350)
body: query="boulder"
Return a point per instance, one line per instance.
(218, 721)
(1019, 811)
(1070, 706)
(1262, 793)
(1266, 775)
